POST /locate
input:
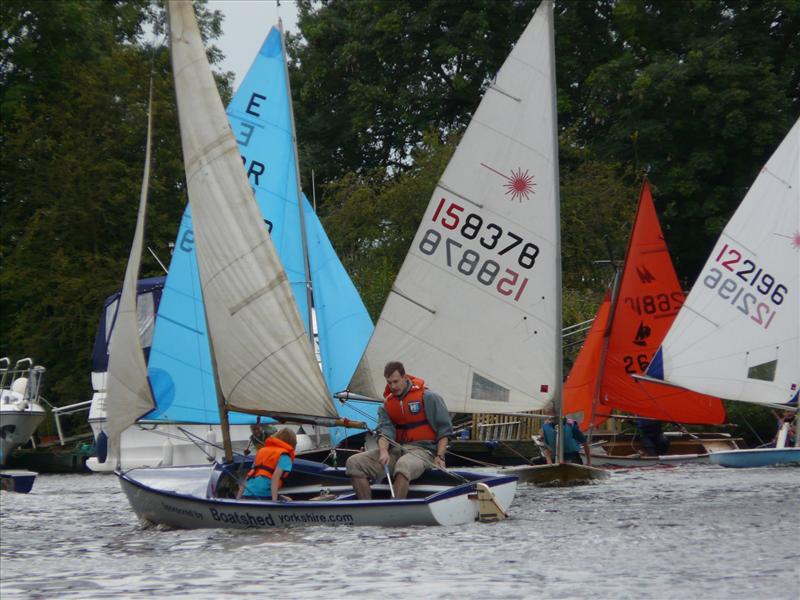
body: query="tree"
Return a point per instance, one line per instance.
(697, 92)
(371, 78)
(74, 118)
(700, 93)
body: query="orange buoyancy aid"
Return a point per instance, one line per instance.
(408, 414)
(267, 459)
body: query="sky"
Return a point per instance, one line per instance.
(246, 24)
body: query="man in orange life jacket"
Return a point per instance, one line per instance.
(417, 420)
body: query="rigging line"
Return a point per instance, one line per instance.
(481, 463)
(663, 406)
(754, 432)
(361, 412)
(515, 451)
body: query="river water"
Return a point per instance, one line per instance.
(679, 532)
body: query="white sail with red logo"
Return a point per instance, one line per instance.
(737, 336)
(475, 308)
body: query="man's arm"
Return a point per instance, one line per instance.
(439, 420)
(276, 477)
(588, 453)
(386, 435)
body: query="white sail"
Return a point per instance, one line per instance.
(263, 358)
(128, 393)
(737, 335)
(475, 307)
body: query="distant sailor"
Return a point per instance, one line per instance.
(654, 442)
(414, 428)
(573, 440)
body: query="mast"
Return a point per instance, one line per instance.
(559, 367)
(604, 350)
(306, 264)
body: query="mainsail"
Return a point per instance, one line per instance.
(180, 365)
(737, 335)
(625, 336)
(475, 307)
(260, 350)
(128, 390)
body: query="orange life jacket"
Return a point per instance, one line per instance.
(408, 414)
(267, 459)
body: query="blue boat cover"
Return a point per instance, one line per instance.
(150, 285)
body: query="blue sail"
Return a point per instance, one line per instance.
(180, 363)
(343, 323)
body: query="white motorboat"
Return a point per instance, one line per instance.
(21, 406)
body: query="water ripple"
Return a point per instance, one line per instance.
(679, 533)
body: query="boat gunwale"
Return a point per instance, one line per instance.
(451, 492)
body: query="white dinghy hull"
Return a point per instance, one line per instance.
(184, 498)
(757, 457)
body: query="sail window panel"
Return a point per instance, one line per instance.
(111, 314)
(145, 316)
(764, 371)
(486, 389)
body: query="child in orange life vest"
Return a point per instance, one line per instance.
(271, 466)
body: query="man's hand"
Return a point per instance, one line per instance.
(439, 461)
(383, 458)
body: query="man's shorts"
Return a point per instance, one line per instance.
(409, 460)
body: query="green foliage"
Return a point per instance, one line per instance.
(597, 209)
(699, 93)
(373, 221)
(696, 92)
(754, 424)
(370, 78)
(75, 84)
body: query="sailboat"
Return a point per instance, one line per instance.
(262, 359)
(737, 336)
(476, 306)
(630, 324)
(179, 363)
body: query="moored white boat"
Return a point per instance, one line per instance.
(21, 408)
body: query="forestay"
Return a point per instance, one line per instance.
(475, 308)
(128, 390)
(260, 349)
(737, 334)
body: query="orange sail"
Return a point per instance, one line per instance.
(648, 298)
(581, 385)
